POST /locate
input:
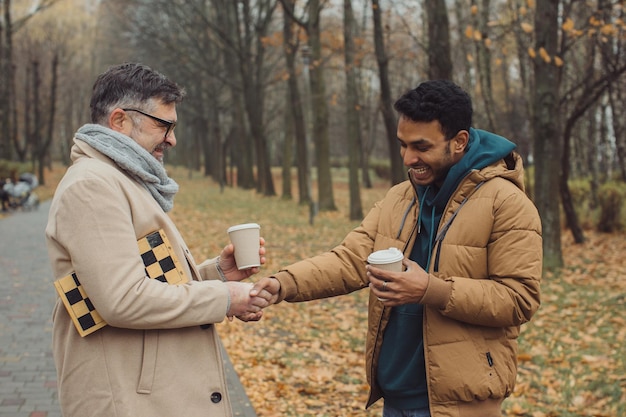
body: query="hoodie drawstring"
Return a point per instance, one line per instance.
(446, 226)
(430, 241)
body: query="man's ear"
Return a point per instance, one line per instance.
(119, 121)
(460, 141)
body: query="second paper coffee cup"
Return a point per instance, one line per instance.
(388, 259)
(246, 240)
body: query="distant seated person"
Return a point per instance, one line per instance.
(4, 194)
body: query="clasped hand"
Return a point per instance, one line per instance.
(398, 288)
(245, 304)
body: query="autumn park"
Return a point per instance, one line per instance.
(288, 122)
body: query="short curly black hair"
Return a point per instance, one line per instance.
(440, 100)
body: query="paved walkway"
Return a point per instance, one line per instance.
(27, 375)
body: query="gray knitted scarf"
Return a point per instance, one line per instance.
(133, 159)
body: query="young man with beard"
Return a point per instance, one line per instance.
(441, 337)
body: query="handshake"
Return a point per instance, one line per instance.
(247, 300)
(393, 279)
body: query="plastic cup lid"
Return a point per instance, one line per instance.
(385, 256)
(243, 226)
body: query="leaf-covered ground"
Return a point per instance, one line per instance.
(308, 359)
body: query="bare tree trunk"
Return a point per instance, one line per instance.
(42, 151)
(287, 152)
(439, 54)
(463, 46)
(547, 137)
(397, 170)
(523, 59)
(483, 62)
(296, 105)
(615, 92)
(22, 146)
(326, 198)
(6, 81)
(251, 63)
(217, 156)
(227, 22)
(35, 136)
(617, 102)
(353, 120)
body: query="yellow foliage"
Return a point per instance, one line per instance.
(487, 42)
(527, 27)
(469, 32)
(474, 10)
(498, 62)
(530, 4)
(568, 25)
(523, 11)
(558, 61)
(594, 21)
(531, 52)
(470, 58)
(544, 55)
(477, 35)
(608, 30)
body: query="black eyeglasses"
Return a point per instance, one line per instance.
(170, 126)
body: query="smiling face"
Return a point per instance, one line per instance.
(150, 134)
(426, 152)
(146, 131)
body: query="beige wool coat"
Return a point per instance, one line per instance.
(160, 355)
(484, 284)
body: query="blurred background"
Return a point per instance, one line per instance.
(304, 87)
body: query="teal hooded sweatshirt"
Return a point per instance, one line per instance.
(401, 369)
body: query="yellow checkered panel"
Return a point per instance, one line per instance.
(161, 264)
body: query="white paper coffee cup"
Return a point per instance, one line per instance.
(246, 240)
(388, 259)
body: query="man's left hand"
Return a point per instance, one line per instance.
(229, 266)
(398, 288)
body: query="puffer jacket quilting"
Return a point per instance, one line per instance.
(477, 298)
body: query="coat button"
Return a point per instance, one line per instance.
(216, 397)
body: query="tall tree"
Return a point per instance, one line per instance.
(439, 53)
(397, 170)
(326, 195)
(480, 11)
(45, 139)
(251, 47)
(353, 120)
(6, 79)
(600, 69)
(240, 145)
(319, 106)
(8, 27)
(546, 122)
(288, 141)
(291, 44)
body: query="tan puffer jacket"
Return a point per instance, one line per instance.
(484, 284)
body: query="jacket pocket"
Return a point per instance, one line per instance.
(502, 360)
(148, 361)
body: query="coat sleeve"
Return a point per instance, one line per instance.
(336, 272)
(93, 226)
